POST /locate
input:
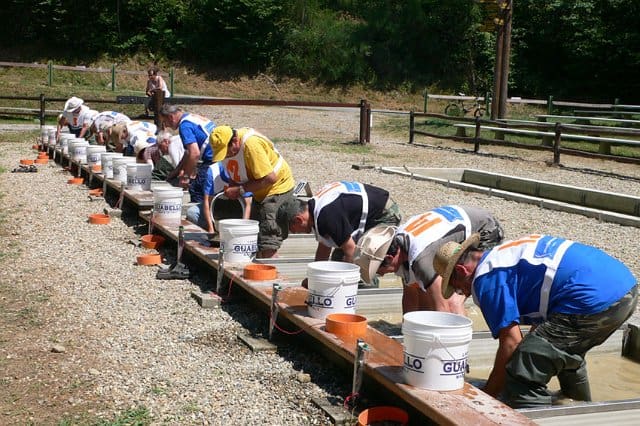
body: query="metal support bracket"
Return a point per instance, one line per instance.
(220, 273)
(358, 366)
(274, 308)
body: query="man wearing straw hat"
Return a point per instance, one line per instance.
(574, 296)
(408, 252)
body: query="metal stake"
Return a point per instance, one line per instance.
(220, 269)
(180, 243)
(358, 366)
(274, 308)
(151, 222)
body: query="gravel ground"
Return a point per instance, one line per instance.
(129, 340)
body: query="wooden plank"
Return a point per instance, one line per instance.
(583, 118)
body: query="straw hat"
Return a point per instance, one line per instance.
(446, 258)
(72, 104)
(219, 141)
(371, 249)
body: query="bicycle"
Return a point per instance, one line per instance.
(458, 108)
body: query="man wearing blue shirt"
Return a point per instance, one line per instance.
(574, 296)
(194, 132)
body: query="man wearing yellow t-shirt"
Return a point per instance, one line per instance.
(254, 164)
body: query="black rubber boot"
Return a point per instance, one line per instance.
(179, 271)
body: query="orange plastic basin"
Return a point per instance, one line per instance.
(26, 162)
(43, 155)
(383, 415)
(148, 259)
(152, 241)
(76, 181)
(99, 219)
(346, 325)
(95, 192)
(259, 272)
(42, 161)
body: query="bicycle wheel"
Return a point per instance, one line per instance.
(479, 112)
(453, 110)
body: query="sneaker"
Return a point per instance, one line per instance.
(178, 272)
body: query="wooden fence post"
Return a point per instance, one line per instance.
(363, 121)
(113, 77)
(158, 101)
(171, 73)
(556, 144)
(42, 109)
(550, 105)
(412, 122)
(476, 137)
(50, 73)
(426, 97)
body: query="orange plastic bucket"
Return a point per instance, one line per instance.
(383, 415)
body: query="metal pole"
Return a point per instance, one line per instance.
(363, 120)
(274, 308)
(426, 97)
(113, 77)
(476, 137)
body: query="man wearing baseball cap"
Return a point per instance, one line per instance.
(338, 215)
(408, 252)
(574, 296)
(253, 164)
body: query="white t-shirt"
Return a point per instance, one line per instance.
(176, 150)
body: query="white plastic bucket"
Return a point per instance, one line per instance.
(120, 168)
(51, 140)
(239, 239)
(333, 288)
(139, 177)
(106, 162)
(167, 206)
(93, 155)
(436, 347)
(65, 138)
(78, 150)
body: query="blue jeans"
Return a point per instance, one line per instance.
(196, 186)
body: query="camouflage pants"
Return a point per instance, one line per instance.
(557, 348)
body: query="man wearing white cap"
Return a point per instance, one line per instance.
(408, 252)
(76, 116)
(574, 296)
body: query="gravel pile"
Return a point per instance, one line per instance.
(132, 340)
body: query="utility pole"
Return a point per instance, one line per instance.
(503, 52)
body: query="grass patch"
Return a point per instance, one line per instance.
(134, 417)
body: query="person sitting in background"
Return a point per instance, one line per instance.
(76, 116)
(216, 182)
(154, 83)
(101, 124)
(125, 136)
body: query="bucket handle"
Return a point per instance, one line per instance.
(435, 338)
